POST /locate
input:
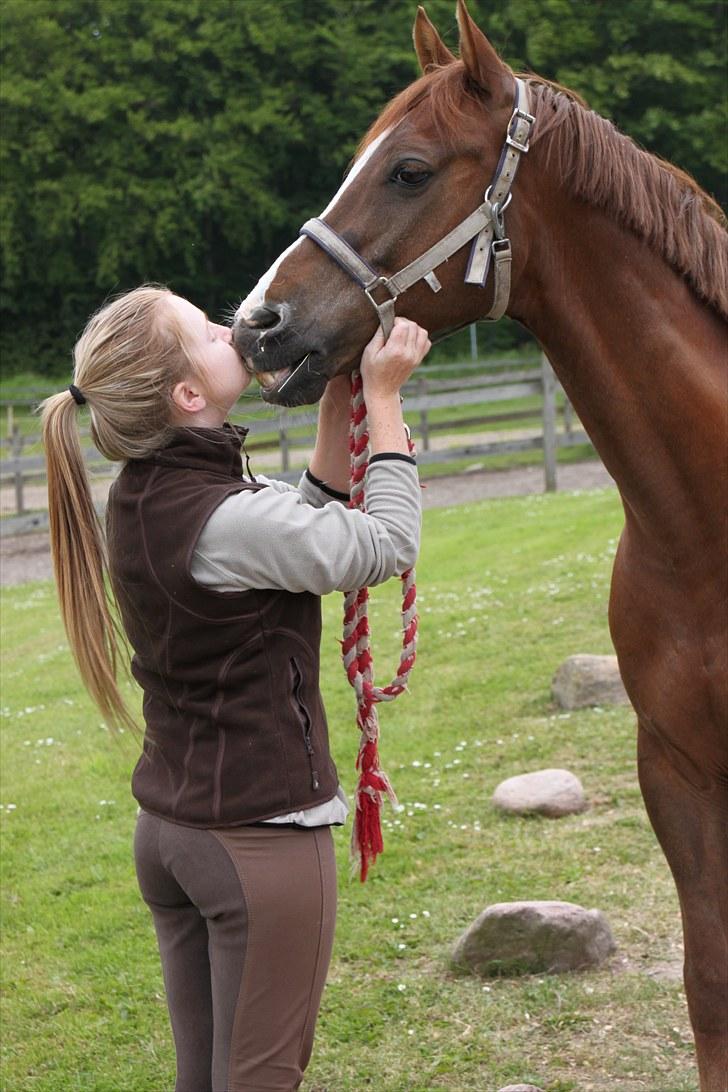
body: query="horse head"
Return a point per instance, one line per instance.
(422, 168)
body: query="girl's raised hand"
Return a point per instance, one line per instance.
(386, 366)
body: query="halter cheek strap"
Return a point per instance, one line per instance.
(485, 226)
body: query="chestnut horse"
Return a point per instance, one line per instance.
(619, 266)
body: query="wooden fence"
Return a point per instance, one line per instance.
(533, 414)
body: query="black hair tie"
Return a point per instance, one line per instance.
(78, 398)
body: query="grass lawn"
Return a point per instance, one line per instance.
(508, 589)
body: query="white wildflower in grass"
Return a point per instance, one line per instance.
(413, 915)
(401, 987)
(425, 913)
(401, 946)
(395, 921)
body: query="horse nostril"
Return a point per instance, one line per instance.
(265, 316)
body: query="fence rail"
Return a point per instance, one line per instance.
(432, 404)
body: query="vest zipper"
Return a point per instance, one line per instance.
(305, 720)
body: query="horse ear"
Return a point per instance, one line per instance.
(481, 61)
(429, 46)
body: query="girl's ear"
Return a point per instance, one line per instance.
(188, 397)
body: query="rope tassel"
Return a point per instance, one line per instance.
(366, 840)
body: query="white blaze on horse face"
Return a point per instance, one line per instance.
(355, 170)
(256, 298)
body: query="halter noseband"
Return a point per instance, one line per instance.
(485, 226)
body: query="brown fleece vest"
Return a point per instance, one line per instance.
(235, 726)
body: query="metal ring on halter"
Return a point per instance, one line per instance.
(497, 211)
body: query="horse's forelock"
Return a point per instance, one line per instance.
(446, 91)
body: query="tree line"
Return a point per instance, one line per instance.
(185, 141)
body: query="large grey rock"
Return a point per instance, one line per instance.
(546, 792)
(534, 937)
(584, 680)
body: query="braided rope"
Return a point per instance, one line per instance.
(358, 663)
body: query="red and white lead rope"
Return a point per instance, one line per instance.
(374, 785)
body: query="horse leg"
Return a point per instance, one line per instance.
(692, 828)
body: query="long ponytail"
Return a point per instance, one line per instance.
(79, 562)
(126, 364)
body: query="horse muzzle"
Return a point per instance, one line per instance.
(288, 372)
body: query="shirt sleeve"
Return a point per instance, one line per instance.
(313, 491)
(281, 539)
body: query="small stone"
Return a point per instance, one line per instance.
(544, 792)
(584, 680)
(511, 938)
(520, 1088)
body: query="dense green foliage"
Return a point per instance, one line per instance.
(185, 140)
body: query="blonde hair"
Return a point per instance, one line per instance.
(126, 364)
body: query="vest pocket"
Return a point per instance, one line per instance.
(304, 717)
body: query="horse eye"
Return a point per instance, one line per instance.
(410, 174)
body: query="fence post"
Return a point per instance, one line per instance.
(568, 418)
(16, 447)
(283, 441)
(424, 427)
(548, 380)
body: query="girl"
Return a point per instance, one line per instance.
(217, 579)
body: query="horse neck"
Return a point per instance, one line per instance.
(642, 361)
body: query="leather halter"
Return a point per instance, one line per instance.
(485, 226)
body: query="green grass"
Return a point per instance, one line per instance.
(508, 589)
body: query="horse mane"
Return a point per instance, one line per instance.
(655, 200)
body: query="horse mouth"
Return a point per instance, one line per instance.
(296, 385)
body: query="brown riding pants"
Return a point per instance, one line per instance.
(245, 923)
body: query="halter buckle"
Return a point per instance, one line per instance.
(516, 116)
(379, 282)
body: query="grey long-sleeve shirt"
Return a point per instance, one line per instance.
(305, 539)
